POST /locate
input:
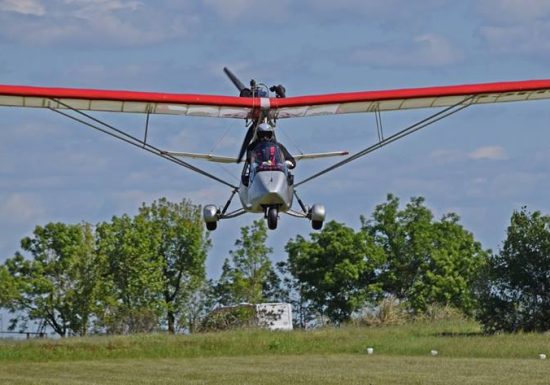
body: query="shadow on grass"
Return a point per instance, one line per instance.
(461, 334)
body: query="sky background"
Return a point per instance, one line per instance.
(482, 163)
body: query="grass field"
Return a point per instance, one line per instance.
(327, 356)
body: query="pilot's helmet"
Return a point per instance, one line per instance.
(264, 131)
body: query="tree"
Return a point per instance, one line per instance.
(58, 284)
(8, 288)
(131, 275)
(247, 277)
(152, 262)
(515, 294)
(182, 243)
(338, 269)
(427, 262)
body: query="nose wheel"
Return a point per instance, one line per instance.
(272, 216)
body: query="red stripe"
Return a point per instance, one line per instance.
(130, 96)
(297, 101)
(409, 93)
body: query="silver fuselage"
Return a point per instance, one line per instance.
(266, 189)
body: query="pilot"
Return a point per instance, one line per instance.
(264, 133)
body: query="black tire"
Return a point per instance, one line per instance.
(317, 225)
(211, 226)
(272, 217)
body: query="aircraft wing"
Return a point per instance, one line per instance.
(128, 101)
(209, 157)
(403, 99)
(230, 159)
(290, 107)
(320, 155)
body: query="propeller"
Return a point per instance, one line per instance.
(243, 91)
(248, 92)
(247, 139)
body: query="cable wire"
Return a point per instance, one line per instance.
(390, 139)
(127, 138)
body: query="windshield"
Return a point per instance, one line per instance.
(267, 156)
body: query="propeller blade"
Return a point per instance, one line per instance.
(247, 139)
(240, 86)
(243, 91)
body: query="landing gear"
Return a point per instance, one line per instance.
(211, 226)
(272, 216)
(317, 216)
(210, 215)
(316, 213)
(317, 225)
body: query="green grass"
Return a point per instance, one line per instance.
(450, 338)
(281, 370)
(326, 356)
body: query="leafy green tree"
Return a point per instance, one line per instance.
(247, 277)
(132, 281)
(182, 244)
(338, 269)
(515, 294)
(427, 261)
(57, 284)
(8, 288)
(152, 263)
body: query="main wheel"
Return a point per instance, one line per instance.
(211, 226)
(317, 225)
(272, 216)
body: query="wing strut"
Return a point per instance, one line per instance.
(134, 141)
(379, 128)
(146, 129)
(390, 139)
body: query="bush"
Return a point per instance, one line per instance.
(227, 318)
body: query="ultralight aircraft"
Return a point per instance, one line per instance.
(267, 182)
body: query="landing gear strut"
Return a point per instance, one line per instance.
(212, 214)
(316, 213)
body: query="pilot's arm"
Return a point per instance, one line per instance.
(287, 156)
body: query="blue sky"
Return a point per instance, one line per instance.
(482, 163)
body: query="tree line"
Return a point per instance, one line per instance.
(147, 273)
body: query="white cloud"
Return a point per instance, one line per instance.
(481, 153)
(429, 50)
(516, 184)
(526, 39)
(518, 27)
(24, 7)
(94, 22)
(514, 11)
(489, 153)
(231, 10)
(387, 11)
(20, 208)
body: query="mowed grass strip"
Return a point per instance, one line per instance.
(450, 338)
(281, 369)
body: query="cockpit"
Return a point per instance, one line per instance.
(267, 156)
